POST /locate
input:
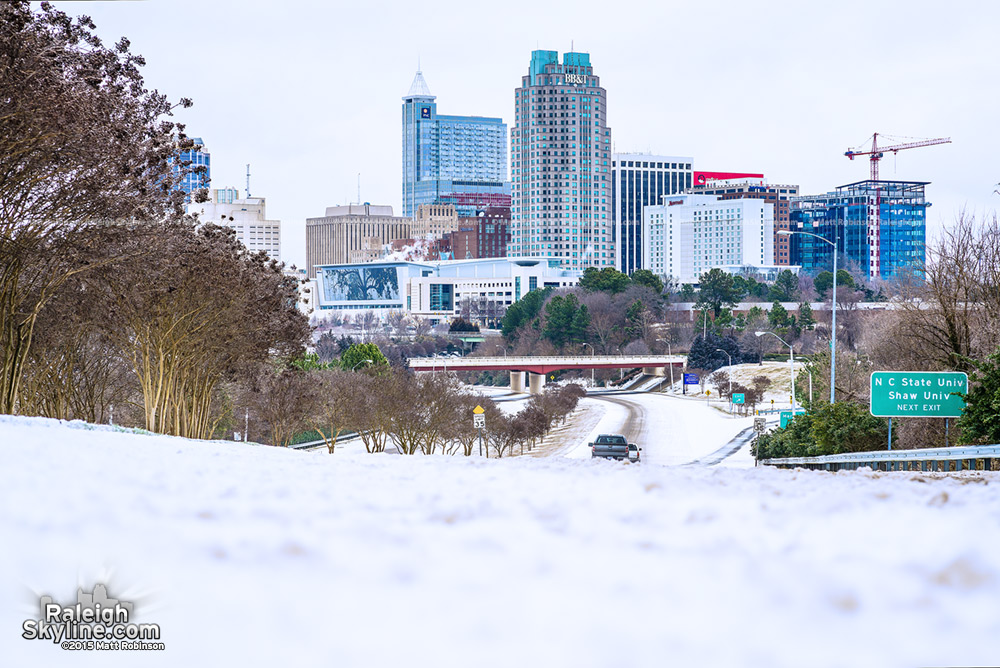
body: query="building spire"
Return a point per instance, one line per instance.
(419, 87)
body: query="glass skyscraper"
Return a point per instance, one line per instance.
(202, 158)
(639, 180)
(460, 160)
(844, 214)
(561, 164)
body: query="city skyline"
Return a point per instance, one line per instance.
(310, 114)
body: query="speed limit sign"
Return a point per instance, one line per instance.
(479, 421)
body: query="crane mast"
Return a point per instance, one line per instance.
(876, 153)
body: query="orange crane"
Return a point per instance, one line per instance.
(875, 154)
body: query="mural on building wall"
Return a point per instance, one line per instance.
(360, 284)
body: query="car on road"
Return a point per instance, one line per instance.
(614, 446)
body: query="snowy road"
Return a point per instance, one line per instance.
(671, 430)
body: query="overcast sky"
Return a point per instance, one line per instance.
(309, 93)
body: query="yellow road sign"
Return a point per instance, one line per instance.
(478, 410)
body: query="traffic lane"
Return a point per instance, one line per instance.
(674, 431)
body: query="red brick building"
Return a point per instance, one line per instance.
(484, 236)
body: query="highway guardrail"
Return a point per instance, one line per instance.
(965, 458)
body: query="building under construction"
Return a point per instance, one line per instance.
(845, 215)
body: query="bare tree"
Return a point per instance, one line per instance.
(334, 404)
(82, 141)
(284, 401)
(953, 315)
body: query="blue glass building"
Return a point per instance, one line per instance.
(459, 160)
(639, 180)
(902, 227)
(197, 158)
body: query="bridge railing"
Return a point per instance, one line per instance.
(652, 360)
(965, 458)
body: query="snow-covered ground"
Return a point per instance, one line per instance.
(257, 556)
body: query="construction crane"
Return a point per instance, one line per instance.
(876, 153)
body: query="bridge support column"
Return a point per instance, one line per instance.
(536, 383)
(517, 381)
(654, 371)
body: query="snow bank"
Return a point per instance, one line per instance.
(256, 556)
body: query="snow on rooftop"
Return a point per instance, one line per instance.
(252, 555)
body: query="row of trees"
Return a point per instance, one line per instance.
(386, 407)
(717, 288)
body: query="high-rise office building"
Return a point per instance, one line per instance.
(843, 215)
(197, 158)
(639, 180)
(353, 233)
(756, 188)
(561, 164)
(688, 235)
(247, 216)
(459, 160)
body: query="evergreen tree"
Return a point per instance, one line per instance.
(566, 320)
(777, 317)
(806, 318)
(785, 288)
(980, 421)
(705, 354)
(522, 312)
(649, 279)
(606, 280)
(718, 290)
(356, 358)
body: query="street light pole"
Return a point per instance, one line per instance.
(730, 374)
(791, 362)
(364, 361)
(593, 383)
(671, 365)
(833, 303)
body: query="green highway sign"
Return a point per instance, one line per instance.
(918, 393)
(738, 398)
(785, 417)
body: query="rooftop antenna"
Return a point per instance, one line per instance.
(359, 187)
(248, 179)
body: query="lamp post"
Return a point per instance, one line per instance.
(365, 361)
(833, 304)
(593, 383)
(671, 365)
(730, 374)
(791, 363)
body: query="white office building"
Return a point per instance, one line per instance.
(436, 290)
(247, 216)
(687, 235)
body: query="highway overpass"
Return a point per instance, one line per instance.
(537, 367)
